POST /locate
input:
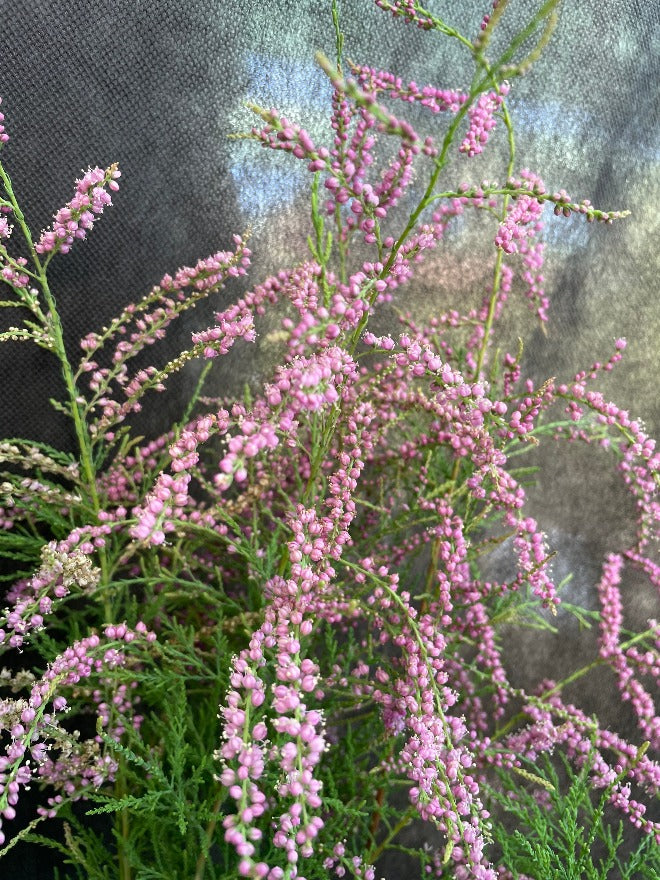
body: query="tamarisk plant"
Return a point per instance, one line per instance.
(241, 640)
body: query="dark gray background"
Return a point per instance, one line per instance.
(157, 85)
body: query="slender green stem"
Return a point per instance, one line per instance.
(82, 434)
(497, 271)
(406, 819)
(120, 791)
(53, 326)
(490, 318)
(200, 867)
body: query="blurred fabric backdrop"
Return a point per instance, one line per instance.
(158, 85)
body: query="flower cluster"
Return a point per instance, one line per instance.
(555, 724)
(621, 661)
(297, 729)
(409, 10)
(523, 216)
(33, 726)
(77, 217)
(62, 569)
(4, 137)
(482, 120)
(144, 323)
(169, 498)
(437, 100)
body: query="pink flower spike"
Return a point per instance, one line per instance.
(4, 137)
(78, 216)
